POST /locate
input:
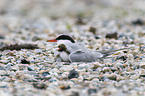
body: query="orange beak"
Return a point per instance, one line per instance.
(52, 40)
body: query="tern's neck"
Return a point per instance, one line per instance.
(65, 42)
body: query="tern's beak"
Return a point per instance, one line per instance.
(52, 40)
(59, 49)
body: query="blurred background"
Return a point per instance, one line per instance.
(27, 17)
(55, 9)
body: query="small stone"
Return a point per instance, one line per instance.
(3, 73)
(142, 75)
(136, 57)
(95, 80)
(95, 66)
(142, 66)
(80, 21)
(45, 74)
(102, 78)
(113, 69)
(65, 68)
(30, 69)
(3, 85)
(124, 51)
(64, 87)
(138, 22)
(93, 30)
(122, 57)
(35, 38)
(73, 74)
(26, 76)
(9, 66)
(2, 37)
(52, 79)
(4, 61)
(41, 71)
(39, 85)
(75, 94)
(90, 91)
(24, 61)
(121, 35)
(126, 42)
(106, 69)
(11, 54)
(113, 77)
(30, 80)
(118, 64)
(97, 37)
(14, 68)
(112, 35)
(2, 68)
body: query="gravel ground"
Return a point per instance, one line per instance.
(98, 24)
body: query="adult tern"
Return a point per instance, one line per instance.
(70, 51)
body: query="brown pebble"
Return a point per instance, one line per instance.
(80, 21)
(95, 67)
(112, 35)
(64, 87)
(93, 30)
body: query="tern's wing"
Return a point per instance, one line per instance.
(81, 56)
(97, 55)
(76, 46)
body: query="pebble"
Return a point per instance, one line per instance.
(3, 73)
(2, 37)
(73, 74)
(93, 30)
(24, 61)
(30, 69)
(138, 22)
(142, 66)
(35, 38)
(4, 85)
(112, 35)
(64, 87)
(90, 91)
(39, 85)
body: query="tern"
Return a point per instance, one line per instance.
(70, 51)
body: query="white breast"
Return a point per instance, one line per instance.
(64, 56)
(61, 56)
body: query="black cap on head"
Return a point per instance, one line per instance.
(65, 37)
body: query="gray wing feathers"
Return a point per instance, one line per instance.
(97, 55)
(80, 56)
(75, 47)
(109, 52)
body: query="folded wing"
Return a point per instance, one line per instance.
(81, 56)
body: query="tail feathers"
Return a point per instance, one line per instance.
(110, 52)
